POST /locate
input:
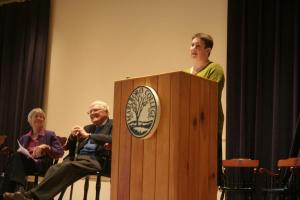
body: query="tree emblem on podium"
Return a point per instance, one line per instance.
(142, 112)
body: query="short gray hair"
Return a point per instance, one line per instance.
(34, 111)
(102, 105)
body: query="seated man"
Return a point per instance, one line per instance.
(86, 151)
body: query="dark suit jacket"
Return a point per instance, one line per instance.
(100, 138)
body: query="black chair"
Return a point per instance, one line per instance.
(5, 150)
(5, 153)
(106, 165)
(2, 141)
(106, 171)
(284, 182)
(34, 179)
(239, 177)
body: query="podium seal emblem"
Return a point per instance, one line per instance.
(142, 112)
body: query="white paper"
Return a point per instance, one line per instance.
(24, 151)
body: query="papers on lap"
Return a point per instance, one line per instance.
(24, 151)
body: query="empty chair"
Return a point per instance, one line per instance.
(239, 177)
(284, 182)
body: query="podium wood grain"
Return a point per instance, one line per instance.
(179, 161)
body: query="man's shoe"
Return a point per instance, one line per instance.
(20, 188)
(8, 196)
(15, 196)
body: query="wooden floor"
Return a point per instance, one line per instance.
(105, 191)
(78, 190)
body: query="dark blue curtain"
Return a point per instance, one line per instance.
(23, 53)
(263, 80)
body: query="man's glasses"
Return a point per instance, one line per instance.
(94, 111)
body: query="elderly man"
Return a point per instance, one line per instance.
(84, 156)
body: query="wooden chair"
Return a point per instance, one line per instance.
(34, 179)
(239, 176)
(285, 181)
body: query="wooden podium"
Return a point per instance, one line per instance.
(179, 161)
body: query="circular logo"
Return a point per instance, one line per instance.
(142, 112)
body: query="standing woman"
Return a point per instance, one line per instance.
(200, 50)
(42, 145)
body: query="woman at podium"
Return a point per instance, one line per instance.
(200, 50)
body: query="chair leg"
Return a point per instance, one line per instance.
(251, 195)
(36, 180)
(27, 185)
(222, 195)
(86, 187)
(98, 185)
(71, 192)
(62, 193)
(264, 195)
(282, 196)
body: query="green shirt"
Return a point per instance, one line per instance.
(214, 72)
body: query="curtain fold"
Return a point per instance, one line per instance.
(23, 53)
(263, 80)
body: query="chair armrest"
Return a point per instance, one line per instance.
(107, 146)
(65, 147)
(268, 172)
(6, 150)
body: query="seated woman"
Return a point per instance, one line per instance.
(43, 146)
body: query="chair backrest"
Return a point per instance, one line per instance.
(106, 162)
(290, 162)
(2, 139)
(4, 153)
(4, 149)
(241, 162)
(62, 141)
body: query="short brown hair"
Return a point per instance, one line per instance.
(207, 39)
